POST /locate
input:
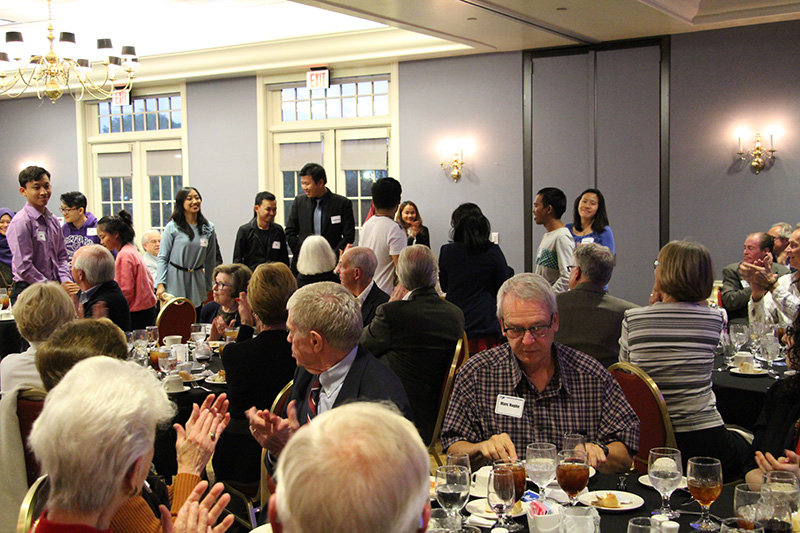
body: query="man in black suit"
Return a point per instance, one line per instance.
(736, 292)
(587, 302)
(319, 212)
(356, 269)
(417, 337)
(93, 272)
(261, 240)
(324, 327)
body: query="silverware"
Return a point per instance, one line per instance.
(622, 483)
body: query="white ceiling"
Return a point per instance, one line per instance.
(208, 38)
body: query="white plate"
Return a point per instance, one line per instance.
(195, 378)
(478, 508)
(185, 388)
(212, 380)
(758, 372)
(645, 480)
(635, 501)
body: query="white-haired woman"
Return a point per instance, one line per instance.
(316, 262)
(94, 440)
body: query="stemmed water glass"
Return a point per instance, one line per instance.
(574, 441)
(152, 337)
(540, 463)
(704, 476)
(460, 459)
(665, 472)
(140, 337)
(784, 486)
(452, 487)
(770, 350)
(500, 493)
(739, 335)
(517, 468)
(572, 473)
(747, 503)
(202, 352)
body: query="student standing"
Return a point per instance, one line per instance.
(80, 226)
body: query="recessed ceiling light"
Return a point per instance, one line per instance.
(561, 9)
(472, 18)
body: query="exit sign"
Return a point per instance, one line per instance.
(121, 97)
(318, 79)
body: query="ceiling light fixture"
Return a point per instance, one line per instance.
(50, 75)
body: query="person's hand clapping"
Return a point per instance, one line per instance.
(195, 445)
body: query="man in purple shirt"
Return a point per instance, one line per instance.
(34, 236)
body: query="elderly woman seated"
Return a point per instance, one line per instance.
(316, 262)
(223, 312)
(94, 441)
(39, 310)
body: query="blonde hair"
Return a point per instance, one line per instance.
(40, 309)
(270, 288)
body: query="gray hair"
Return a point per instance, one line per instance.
(362, 258)
(331, 452)
(316, 256)
(96, 262)
(786, 230)
(528, 287)
(595, 261)
(96, 423)
(40, 309)
(329, 309)
(146, 236)
(417, 267)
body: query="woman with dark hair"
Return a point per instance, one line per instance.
(673, 340)
(411, 221)
(471, 270)
(131, 274)
(188, 251)
(223, 312)
(777, 430)
(590, 221)
(6, 280)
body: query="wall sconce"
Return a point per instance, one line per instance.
(454, 163)
(759, 157)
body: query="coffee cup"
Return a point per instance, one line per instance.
(480, 481)
(740, 358)
(173, 383)
(180, 351)
(169, 340)
(544, 523)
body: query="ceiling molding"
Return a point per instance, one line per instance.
(683, 10)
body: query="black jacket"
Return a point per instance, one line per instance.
(338, 223)
(249, 247)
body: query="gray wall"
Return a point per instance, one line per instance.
(223, 152)
(721, 80)
(34, 131)
(478, 97)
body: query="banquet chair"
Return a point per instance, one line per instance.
(29, 405)
(645, 397)
(33, 504)
(460, 355)
(176, 318)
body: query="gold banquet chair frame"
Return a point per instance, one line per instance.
(174, 318)
(33, 504)
(460, 356)
(621, 372)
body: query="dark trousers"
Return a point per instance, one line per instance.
(16, 289)
(730, 448)
(145, 317)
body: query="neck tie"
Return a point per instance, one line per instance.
(313, 399)
(318, 217)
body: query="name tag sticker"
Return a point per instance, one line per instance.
(204, 242)
(745, 284)
(91, 232)
(509, 406)
(276, 245)
(41, 236)
(587, 240)
(336, 219)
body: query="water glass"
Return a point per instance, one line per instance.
(443, 520)
(452, 488)
(500, 493)
(783, 486)
(746, 502)
(739, 335)
(540, 463)
(574, 441)
(666, 473)
(152, 336)
(640, 524)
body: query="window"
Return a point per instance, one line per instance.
(143, 114)
(341, 100)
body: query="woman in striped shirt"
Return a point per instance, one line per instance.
(673, 340)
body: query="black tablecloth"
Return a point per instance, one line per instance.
(10, 339)
(739, 398)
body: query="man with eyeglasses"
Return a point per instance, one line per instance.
(80, 226)
(535, 390)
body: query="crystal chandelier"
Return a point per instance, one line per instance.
(50, 75)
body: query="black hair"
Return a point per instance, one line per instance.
(74, 199)
(179, 216)
(462, 211)
(31, 173)
(555, 198)
(386, 193)
(120, 224)
(473, 231)
(316, 172)
(264, 195)
(765, 241)
(600, 217)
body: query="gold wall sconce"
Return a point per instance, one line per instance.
(454, 164)
(759, 157)
(451, 155)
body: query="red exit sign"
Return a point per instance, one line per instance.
(318, 79)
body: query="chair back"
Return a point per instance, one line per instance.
(282, 399)
(176, 318)
(645, 397)
(29, 405)
(278, 406)
(460, 355)
(33, 504)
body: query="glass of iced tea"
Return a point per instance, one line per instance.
(4, 301)
(704, 476)
(572, 472)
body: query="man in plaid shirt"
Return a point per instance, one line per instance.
(535, 390)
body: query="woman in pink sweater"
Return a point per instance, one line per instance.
(116, 233)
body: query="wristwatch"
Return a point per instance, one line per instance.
(602, 447)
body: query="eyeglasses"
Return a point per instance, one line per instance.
(655, 264)
(221, 285)
(535, 331)
(66, 210)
